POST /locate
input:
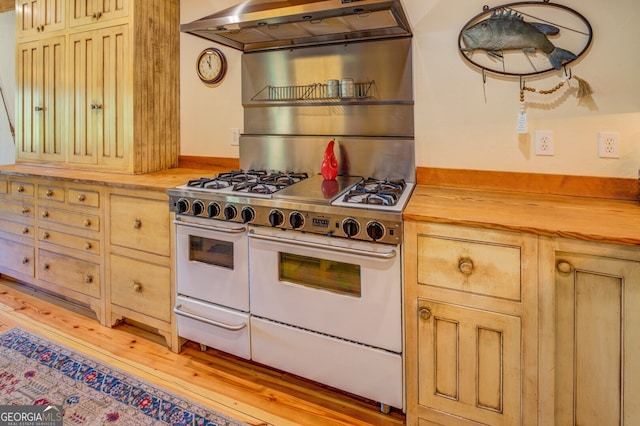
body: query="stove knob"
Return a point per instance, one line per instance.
(375, 230)
(230, 212)
(248, 214)
(296, 220)
(351, 227)
(197, 208)
(213, 209)
(276, 218)
(183, 205)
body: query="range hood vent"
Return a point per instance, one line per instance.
(256, 25)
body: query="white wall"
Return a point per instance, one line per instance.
(7, 81)
(456, 127)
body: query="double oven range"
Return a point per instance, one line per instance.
(276, 264)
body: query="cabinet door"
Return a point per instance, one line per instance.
(469, 362)
(85, 12)
(100, 89)
(597, 313)
(38, 17)
(40, 100)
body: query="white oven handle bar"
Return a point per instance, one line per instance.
(230, 327)
(380, 255)
(211, 227)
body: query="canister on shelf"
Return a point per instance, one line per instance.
(347, 88)
(333, 89)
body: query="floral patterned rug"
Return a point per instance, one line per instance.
(35, 371)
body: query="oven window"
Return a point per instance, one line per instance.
(212, 252)
(338, 277)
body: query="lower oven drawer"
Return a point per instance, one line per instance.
(362, 370)
(214, 326)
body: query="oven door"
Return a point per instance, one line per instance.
(343, 288)
(211, 262)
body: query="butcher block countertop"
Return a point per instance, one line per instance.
(583, 218)
(157, 181)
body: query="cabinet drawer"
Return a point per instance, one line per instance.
(17, 257)
(17, 228)
(478, 267)
(81, 197)
(141, 287)
(140, 224)
(69, 272)
(20, 209)
(77, 220)
(4, 186)
(21, 189)
(52, 193)
(75, 242)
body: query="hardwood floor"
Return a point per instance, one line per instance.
(235, 387)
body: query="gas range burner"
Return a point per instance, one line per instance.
(249, 181)
(376, 191)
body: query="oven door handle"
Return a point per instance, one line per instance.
(230, 327)
(380, 255)
(211, 227)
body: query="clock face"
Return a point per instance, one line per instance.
(211, 65)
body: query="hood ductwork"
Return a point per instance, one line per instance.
(256, 25)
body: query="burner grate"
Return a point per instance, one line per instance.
(376, 191)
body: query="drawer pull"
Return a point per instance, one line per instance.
(96, 106)
(137, 224)
(25, 230)
(46, 266)
(45, 235)
(97, 15)
(45, 214)
(20, 188)
(425, 314)
(87, 222)
(38, 108)
(87, 246)
(49, 193)
(88, 279)
(25, 210)
(25, 260)
(466, 266)
(82, 198)
(137, 287)
(564, 267)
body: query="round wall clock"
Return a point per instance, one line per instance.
(211, 65)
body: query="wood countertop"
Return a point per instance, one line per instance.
(583, 218)
(157, 181)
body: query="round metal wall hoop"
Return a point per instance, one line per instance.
(500, 69)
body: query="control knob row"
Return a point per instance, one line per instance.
(351, 228)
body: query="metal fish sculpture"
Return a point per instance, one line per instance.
(507, 30)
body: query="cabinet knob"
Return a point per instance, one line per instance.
(87, 246)
(137, 287)
(425, 313)
(25, 210)
(45, 235)
(564, 267)
(466, 266)
(88, 279)
(96, 106)
(97, 15)
(44, 214)
(46, 266)
(38, 108)
(20, 188)
(25, 230)
(49, 193)
(137, 224)
(87, 222)
(82, 198)
(25, 260)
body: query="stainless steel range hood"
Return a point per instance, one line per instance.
(257, 25)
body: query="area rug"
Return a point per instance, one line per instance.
(35, 371)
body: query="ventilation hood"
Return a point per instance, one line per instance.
(256, 25)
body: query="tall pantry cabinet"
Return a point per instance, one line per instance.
(97, 84)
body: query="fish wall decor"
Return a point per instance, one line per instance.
(525, 38)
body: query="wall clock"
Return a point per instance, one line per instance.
(211, 65)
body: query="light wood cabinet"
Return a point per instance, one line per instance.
(39, 17)
(589, 334)
(40, 101)
(111, 75)
(471, 325)
(17, 228)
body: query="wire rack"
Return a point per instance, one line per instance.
(312, 92)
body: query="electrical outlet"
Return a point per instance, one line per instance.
(235, 136)
(608, 144)
(543, 140)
